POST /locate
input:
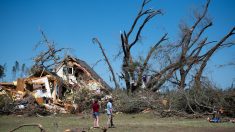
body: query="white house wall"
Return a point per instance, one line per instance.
(60, 72)
(69, 77)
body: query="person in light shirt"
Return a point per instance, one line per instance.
(109, 109)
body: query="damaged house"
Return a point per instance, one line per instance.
(79, 73)
(55, 90)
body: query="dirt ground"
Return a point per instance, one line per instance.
(123, 122)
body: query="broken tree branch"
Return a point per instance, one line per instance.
(149, 17)
(26, 125)
(95, 40)
(140, 14)
(50, 56)
(148, 58)
(208, 55)
(96, 63)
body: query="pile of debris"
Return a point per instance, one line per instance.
(62, 90)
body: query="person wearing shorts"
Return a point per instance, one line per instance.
(95, 110)
(109, 110)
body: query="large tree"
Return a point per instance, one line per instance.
(180, 58)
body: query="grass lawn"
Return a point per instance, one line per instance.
(124, 123)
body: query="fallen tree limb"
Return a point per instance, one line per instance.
(201, 105)
(174, 113)
(36, 125)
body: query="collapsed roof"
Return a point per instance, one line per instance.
(82, 65)
(54, 89)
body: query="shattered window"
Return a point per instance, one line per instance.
(68, 70)
(65, 70)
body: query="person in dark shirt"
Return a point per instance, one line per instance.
(95, 110)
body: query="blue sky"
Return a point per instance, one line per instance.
(73, 24)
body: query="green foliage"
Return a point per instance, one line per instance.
(84, 99)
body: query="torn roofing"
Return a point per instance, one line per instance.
(87, 67)
(44, 72)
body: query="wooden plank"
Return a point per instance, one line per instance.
(20, 84)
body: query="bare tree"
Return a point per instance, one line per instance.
(188, 53)
(192, 45)
(128, 67)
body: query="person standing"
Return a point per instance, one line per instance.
(95, 110)
(110, 113)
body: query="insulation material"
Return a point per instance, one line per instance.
(93, 86)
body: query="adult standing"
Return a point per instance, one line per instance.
(110, 113)
(95, 109)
